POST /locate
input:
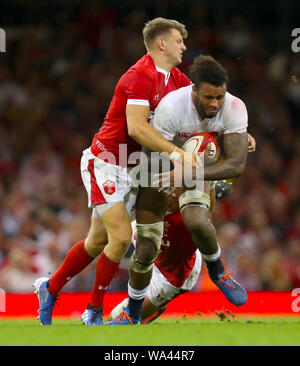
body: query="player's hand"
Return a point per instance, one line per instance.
(187, 159)
(176, 192)
(251, 143)
(185, 169)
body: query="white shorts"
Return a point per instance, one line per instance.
(107, 184)
(162, 291)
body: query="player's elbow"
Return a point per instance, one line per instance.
(238, 168)
(134, 132)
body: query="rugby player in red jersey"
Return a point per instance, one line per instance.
(107, 169)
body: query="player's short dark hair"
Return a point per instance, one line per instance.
(158, 26)
(205, 69)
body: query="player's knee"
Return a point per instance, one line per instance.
(139, 265)
(117, 248)
(95, 244)
(145, 250)
(149, 241)
(121, 240)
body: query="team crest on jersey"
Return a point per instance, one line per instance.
(109, 187)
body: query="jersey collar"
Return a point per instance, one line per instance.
(166, 74)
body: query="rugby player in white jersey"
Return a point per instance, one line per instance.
(204, 106)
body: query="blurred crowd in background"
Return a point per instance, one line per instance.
(57, 78)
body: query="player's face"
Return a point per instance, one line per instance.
(208, 99)
(174, 47)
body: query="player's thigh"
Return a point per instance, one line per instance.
(151, 206)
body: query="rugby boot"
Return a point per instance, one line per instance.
(233, 291)
(124, 319)
(46, 300)
(92, 316)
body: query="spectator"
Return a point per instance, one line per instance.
(55, 86)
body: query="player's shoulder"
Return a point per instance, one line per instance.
(144, 65)
(143, 69)
(234, 104)
(180, 77)
(179, 95)
(178, 98)
(234, 115)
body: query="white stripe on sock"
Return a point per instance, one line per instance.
(137, 294)
(212, 257)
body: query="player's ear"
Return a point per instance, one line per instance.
(194, 89)
(160, 43)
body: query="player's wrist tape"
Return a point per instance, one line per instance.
(175, 155)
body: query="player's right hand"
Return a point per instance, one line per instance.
(187, 159)
(185, 165)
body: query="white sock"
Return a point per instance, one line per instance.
(212, 257)
(137, 294)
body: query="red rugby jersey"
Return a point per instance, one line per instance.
(177, 257)
(142, 84)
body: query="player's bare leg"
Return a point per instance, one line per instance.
(96, 238)
(150, 212)
(151, 208)
(78, 258)
(196, 217)
(150, 312)
(118, 227)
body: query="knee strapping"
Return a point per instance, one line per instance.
(138, 267)
(154, 232)
(194, 198)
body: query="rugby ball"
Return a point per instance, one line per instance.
(197, 144)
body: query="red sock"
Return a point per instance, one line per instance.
(75, 261)
(105, 271)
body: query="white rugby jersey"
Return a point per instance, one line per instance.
(176, 117)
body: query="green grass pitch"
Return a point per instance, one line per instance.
(198, 331)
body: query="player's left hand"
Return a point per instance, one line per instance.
(251, 143)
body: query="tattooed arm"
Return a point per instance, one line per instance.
(235, 151)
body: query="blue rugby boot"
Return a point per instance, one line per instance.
(46, 300)
(92, 316)
(124, 319)
(233, 291)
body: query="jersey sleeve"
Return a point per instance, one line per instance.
(236, 120)
(138, 87)
(163, 120)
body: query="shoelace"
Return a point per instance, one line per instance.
(124, 316)
(227, 277)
